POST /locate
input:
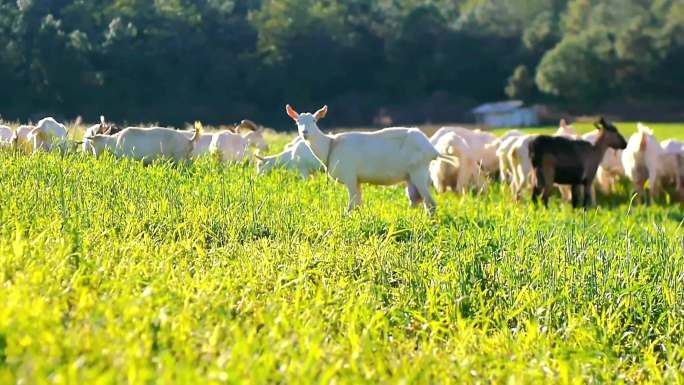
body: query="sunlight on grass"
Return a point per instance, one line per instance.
(116, 273)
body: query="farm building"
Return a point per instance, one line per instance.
(506, 114)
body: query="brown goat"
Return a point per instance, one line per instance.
(571, 162)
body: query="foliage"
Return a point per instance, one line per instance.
(223, 60)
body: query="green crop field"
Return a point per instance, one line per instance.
(115, 273)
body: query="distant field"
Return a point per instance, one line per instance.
(113, 273)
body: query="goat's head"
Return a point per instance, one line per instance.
(306, 122)
(97, 143)
(265, 165)
(611, 134)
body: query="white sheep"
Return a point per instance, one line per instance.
(447, 175)
(640, 160)
(49, 134)
(385, 157)
(147, 144)
(297, 157)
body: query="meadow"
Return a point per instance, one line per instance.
(115, 273)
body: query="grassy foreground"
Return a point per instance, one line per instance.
(114, 273)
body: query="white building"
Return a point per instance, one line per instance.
(506, 114)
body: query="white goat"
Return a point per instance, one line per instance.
(298, 157)
(483, 146)
(6, 134)
(97, 129)
(49, 134)
(640, 160)
(147, 144)
(506, 169)
(229, 146)
(232, 146)
(511, 134)
(445, 174)
(565, 130)
(521, 164)
(22, 138)
(671, 165)
(385, 157)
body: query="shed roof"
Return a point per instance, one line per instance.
(498, 107)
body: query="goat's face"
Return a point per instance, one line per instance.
(97, 144)
(613, 137)
(307, 124)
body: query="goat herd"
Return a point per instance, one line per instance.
(454, 158)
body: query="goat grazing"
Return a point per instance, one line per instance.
(6, 134)
(571, 162)
(49, 134)
(147, 144)
(22, 138)
(298, 157)
(445, 174)
(483, 146)
(641, 161)
(385, 157)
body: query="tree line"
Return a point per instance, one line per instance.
(176, 61)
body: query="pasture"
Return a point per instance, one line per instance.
(112, 272)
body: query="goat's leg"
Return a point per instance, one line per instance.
(587, 194)
(519, 181)
(465, 175)
(652, 186)
(576, 192)
(420, 179)
(503, 167)
(413, 195)
(354, 195)
(538, 186)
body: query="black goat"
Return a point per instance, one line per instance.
(571, 162)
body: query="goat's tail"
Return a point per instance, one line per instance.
(198, 133)
(452, 160)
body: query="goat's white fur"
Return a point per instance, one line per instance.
(385, 157)
(297, 157)
(447, 175)
(146, 144)
(47, 135)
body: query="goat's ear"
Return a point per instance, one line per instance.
(599, 125)
(563, 123)
(320, 114)
(292, 113)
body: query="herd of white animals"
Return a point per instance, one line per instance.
(454, 159)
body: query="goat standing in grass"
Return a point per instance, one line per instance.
(385, 157)
(571, 162)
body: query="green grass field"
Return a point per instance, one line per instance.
(113, 273)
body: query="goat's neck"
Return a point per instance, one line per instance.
(320, 144)
(599, 149)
